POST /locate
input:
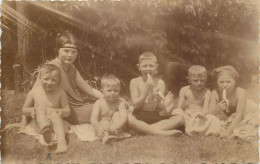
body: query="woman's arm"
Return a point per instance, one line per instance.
(86, 88)
(28, 106)
(65, 109)
(241, 103)
(205, 107)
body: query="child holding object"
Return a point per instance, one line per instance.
(147, 94)
(229, 102)
(195, 95)
(109, 113)
(47, 104)
(193, 103)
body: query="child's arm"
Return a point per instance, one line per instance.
(138, 101)
(162, 87)
(94, 118)
(122, 118)
(86, 88)
(205, 108)
(28, 106)
(65, 109)
(241, 103)
(181, 97)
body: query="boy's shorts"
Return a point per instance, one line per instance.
(149, 117)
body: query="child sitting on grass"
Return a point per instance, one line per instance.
(229, 103)
(147, 92)
(193, 103)
(47, 104)
(109, 113)
(195, 95)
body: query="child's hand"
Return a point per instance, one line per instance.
(101, 132)
(52, 112)
(33, 113)
(222, 105)
(112, 129)
(149, 83)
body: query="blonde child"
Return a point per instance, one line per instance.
(229, 102)
(193, 103)
(147, 93)
(47, 104)
(195, 96)
(109, 113)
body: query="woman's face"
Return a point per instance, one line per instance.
(68, 54)
(226, 82)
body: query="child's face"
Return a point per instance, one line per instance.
(111, 92)
(68, 55)
(50, 80)
(147, 67)
(226, 82)
(197, 82)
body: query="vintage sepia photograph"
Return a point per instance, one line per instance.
(130, 81)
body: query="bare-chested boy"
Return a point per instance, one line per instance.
(195, 96)
(47, 104)
(109, 113)
(147, 92)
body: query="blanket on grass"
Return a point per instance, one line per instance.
(84, 132)
(197, 122)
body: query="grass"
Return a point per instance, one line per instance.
(20, 148)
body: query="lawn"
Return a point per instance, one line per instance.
(20, 148)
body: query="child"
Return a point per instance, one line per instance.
(229, 101)
(195, 95)
(147, 92)
(47, 104)
(109, 113)
(193, 103)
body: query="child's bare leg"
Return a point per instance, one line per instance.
(148, 129)
(105, 123)
(59, 130)
(24, 121)
(170, 124)
(41, 118)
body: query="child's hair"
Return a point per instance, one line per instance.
(65, 37)
(110, 80)
(48, 68)
(147, 56)
(231, 71)
(197, 70)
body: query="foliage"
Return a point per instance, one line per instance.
(112, 34)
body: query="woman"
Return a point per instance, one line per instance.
(71, 81)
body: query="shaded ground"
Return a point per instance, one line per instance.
(20, 148)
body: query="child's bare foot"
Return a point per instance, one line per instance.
(46, 132)
(108, 138)
(62, 147)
